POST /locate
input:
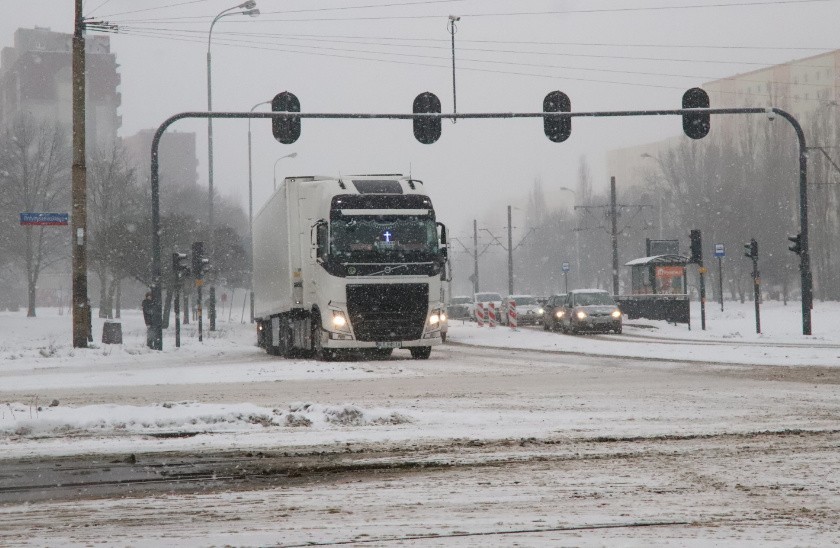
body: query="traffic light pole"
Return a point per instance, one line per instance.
(757, 295)
(177, 309)
(805, 260)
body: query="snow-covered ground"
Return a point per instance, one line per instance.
(106, 396)
(716, 435)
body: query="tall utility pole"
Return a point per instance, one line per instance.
(475, 255)
(81, 307)
(614, 232)
(452, 30)
(510, 253)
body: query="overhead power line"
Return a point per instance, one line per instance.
(692, 76)
(755, 3)
(266, 47)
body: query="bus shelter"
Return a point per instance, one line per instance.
(658, 289)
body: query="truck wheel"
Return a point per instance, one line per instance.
(318, 351)
(420, 352)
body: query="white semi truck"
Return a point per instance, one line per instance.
(348, 263)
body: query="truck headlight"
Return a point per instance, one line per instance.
(581, 314)
(540, 311)
(616, 313)
(436, 317)
(339, 321)
(559, 314)
(443, 317)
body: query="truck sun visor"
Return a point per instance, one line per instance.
(369, 186)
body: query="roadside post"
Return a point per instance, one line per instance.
(697, 257)
(566, 268)
(751, 252)
(720, 253)
(180, 269)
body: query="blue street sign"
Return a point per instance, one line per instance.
(566, 267)
(720, 251)
(44, 219)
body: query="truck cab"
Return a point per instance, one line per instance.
(366, 258)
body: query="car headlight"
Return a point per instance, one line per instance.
(339, 321)
(559, 313)
(540, 311)
(580, 314)
(616, 313)
(442, 316)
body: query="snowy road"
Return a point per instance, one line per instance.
(221, 444)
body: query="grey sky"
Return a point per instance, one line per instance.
(477, 166)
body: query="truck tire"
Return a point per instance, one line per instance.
(420, 352)
(318, 351)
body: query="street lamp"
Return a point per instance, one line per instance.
(251, 205)
(292, 155)
(249, 8)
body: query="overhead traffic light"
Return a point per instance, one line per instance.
(696, 125)
(796, 244)
(286, 130)
(180, 268)
(557, 128)
(696, 247)
(751, 249)
(427, 130)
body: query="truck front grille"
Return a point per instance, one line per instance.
(388, 312)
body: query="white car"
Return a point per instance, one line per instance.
(528, 310)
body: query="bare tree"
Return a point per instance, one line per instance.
(112, 196)
(34, 170)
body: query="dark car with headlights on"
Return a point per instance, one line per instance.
(554, 312)
(590, 310)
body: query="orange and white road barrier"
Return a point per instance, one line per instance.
(512, 314)
(491, 314)
(479, 314)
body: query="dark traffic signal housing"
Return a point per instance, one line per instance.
(796, 244)
(557, 128)
(696, 125)
(696, 247)
(180, 268)
(200, 263)
(286, 130)
(751, 249)
(427, 130)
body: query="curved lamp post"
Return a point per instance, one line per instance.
(292, 155)
(249, 8)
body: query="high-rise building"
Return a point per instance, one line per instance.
(35, 77)
(176, 155)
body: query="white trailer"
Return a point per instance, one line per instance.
(348, 263)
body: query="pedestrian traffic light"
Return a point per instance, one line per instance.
(751, 249)
(557, 128)
(180, 268)
(796, 244)
(427, 130)
(286, 130)
(200, 263)
(696, 247)
(696, 125)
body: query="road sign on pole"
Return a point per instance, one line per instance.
(720, 250)
(566, 267)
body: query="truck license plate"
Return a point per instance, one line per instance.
(395, 344)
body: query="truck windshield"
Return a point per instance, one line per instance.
(383, 238)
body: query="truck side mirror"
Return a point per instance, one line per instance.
(318, 240)
(443, 246)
